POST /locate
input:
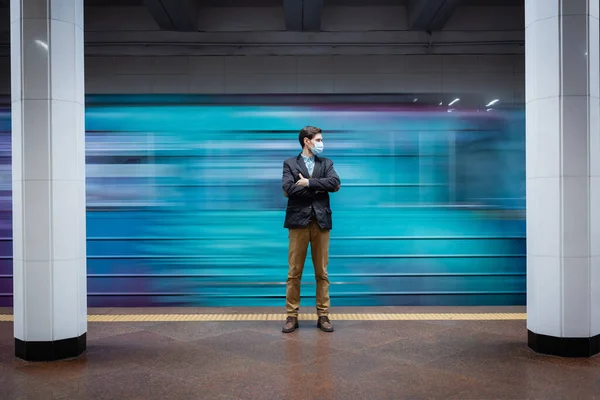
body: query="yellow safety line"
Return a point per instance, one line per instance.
(302, 317)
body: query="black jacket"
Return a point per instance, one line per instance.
(306, 202)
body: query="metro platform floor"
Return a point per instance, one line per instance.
(180, 353)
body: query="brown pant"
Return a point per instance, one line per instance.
(319, 246)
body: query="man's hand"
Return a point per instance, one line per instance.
(302, 182)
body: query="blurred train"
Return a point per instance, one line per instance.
(185, 207)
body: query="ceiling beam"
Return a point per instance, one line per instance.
(303, 15)
(293, 15)
(312, 11)
(174, 15)
(430, 15)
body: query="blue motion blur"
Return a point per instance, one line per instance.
(185, 205)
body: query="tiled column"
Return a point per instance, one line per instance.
(563, 176)
(48, 164)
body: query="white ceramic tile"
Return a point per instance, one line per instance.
(18, 304)
(547, 224)
(65, 220)
(315, 64)
(548, 140)
(171, 65)
(315, 83)
(62, 61)
(79, 67)
(15, 10)
(575, 216)
(64, 140)
(547, 9)
(15, 62)
(575, 151)
(38, 286)
(66, 299)
(530, 63)
(36, 139)
(82, 222)
(532, 215)
(207, 84)
(548, 289)
(35, 67)
(576, 297)
(261, 65)
(207, 65)
(79, 13)
(17, 219)
(171, 84)
(36, 220)
(594, 216)
(594, 56)
(261, 83)
(422, 64)
(574, 60)
(82, 290)
(63, 10)
(531, 138)
(595, 295)
(16, 141)
(594, 8)
(530, 12)
(32, 9)
(80, 136)
(534, 269)
(547, 70)
(594, 136)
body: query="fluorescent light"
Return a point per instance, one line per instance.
(491, 103)
(41, 44)
(415, 100)
(454, 101)
(441, 103)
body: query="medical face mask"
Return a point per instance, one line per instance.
(317, 149)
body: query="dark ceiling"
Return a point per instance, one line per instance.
(275, 3)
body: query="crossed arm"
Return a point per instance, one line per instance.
(291, 188)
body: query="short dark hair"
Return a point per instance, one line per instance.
(308, 132)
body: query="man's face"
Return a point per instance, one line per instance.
(316, 139)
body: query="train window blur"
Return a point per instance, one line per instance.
(185, 204)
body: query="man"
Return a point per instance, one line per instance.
(307, 180)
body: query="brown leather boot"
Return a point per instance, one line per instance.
(291, 324)
(324, 324)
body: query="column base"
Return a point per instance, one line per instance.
(563, 347)
(52, 350)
